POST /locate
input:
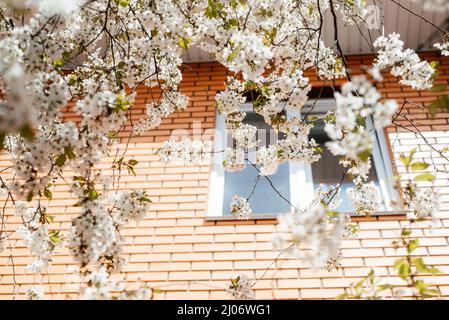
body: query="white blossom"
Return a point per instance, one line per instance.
(35, 293)
(131, 206)
(99, 287)
(314, 235)
(383, 113)
(443, 46)
(351, 229)
(332, 263)
(186, 151)
(425, 203)
(234, 159)
(229, 101)
(240, 288)
(434, 5)
(403, 63)
(245, 136)
(365, 198)
(267, 158)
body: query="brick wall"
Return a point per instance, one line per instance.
(176, 250)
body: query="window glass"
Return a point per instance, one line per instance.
(329, 172)
(264, 199)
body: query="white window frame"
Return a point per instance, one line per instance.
(382, 161)
(300, 172)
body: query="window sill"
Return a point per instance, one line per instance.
(255, 217)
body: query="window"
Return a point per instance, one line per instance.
(295, 181)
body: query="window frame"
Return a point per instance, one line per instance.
(300, 172)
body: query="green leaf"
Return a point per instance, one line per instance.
(73, 80)
(341, 296)
(233, 22)
(27, 132)
(58, 63)
(404, 271)
(55, 236)
(233, 54)
(213, 9)
(442, 103)
(385, 287)
(131, 170)
(133, 162)
(403, 268)
(250, 85)
(30, 196)
(145, 199)
(420, 285)
(434, 64)
(412, 245)
(424, 177)
(66, 55)
(406, 160)
(123, 3)
(2, 140)
(431, 292)
(418, 166)
(359, 284)
(68, 151)
(48, 194)
(422, 267)
(93, 194)
(365, 155)
(61, 160)
(439, 88)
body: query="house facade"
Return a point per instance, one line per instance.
(188, 247)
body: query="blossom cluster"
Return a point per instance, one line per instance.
(102, 288)
(37, 236)
(332, 262)
(234, 159)
(353, 11)
(240, 207)
(315, 233)
(435, 5)
(365, 198)
(425, 203)
(403, 63)
(444, 47)
(131, 206)
(35, 293)
(170, 102)
(241, 288)
(185, 151)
